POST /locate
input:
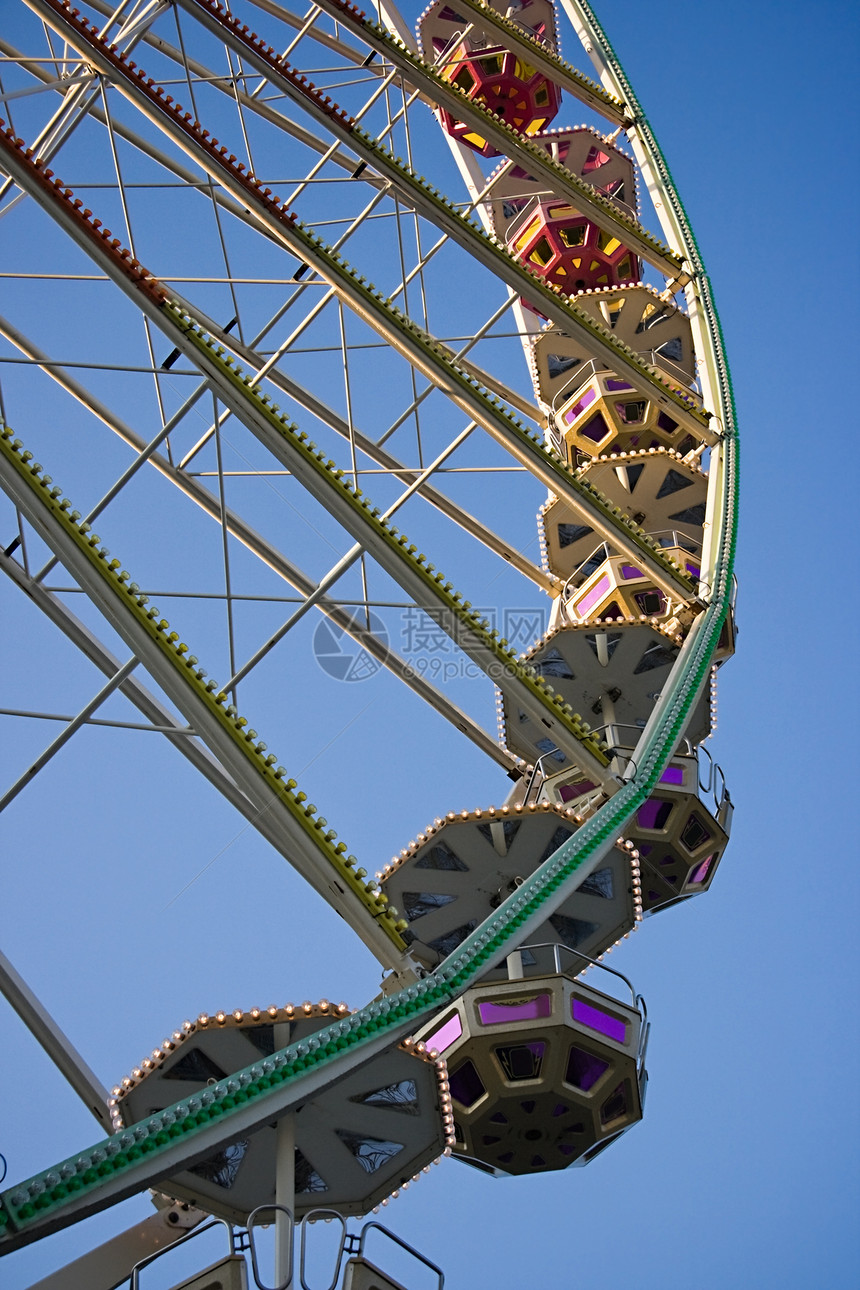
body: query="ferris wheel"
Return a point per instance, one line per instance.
(287, 281)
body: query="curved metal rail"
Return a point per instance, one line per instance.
(130, 1160)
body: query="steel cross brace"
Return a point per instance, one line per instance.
(483, 248)
(298, 844)
(180, 1136)
(507, 141)
(586, 199)
(237, 395)
(270, 555)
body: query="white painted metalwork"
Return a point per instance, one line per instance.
(319, 296)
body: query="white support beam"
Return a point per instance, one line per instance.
(420, 350)
(560, 181)
(642, 146)
(143, 145)
(178, 1156)
(78, 97)
(673, 222)
(271, 556)
(504, 31)
(305, 850)
(56, 1044)
(484, 250)
(381, 455)
(112, 684)
(237, 395)
(381, 1031)
(276, 9)
(506, 141)
(109, 1265)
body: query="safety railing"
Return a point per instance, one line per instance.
(533, 962)
(350, 1246)
(706, 774)
(134, 1280)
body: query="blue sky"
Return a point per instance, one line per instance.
(743, 1170)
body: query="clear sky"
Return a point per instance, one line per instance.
(133, 897)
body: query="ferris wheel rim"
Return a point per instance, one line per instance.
(689, 675)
